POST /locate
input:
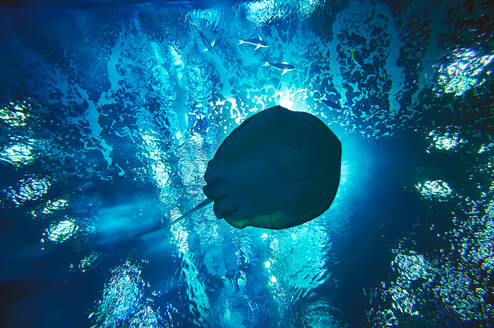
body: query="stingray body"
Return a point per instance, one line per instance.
(278, 169)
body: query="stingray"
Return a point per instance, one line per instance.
(278, 169)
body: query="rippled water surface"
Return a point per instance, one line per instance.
(110, 111)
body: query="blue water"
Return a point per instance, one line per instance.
(110, 111)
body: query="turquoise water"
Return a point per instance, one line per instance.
(110, 111)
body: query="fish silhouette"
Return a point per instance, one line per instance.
(278, 169)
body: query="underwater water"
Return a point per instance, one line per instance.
(110, 111)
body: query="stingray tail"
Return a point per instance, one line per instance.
(169, 223)
(198, 207)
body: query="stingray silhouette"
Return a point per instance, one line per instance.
(278, 169)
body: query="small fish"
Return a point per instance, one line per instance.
(283, 66)
(209, 45)
(258, 42)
